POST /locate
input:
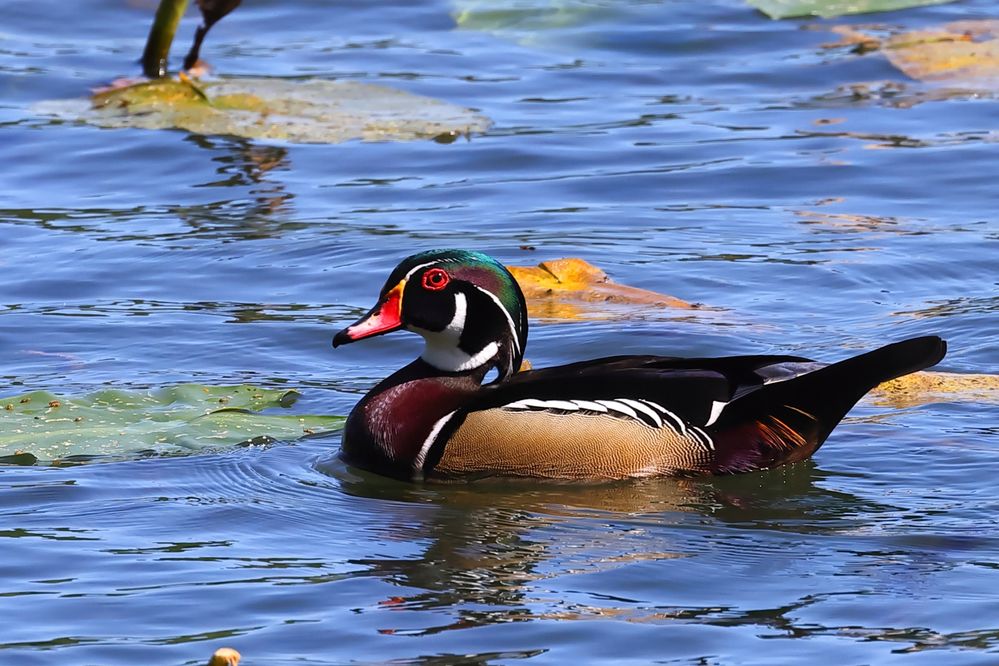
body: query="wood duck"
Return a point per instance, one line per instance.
(608, 418)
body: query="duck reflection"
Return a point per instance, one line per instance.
(488, 544)
(243, 163)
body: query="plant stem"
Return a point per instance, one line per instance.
(154, 58)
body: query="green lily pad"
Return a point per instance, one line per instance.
(539, 24)
(778, 9)
(518, 16)
(42, 426)
(315, 111)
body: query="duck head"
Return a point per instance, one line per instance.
(467, 307)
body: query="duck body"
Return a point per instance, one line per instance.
(608, 418)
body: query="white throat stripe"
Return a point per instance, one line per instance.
(441, 349)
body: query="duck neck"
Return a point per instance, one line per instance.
(446, 354)
(420, 369)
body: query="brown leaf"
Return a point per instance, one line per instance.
(921, 388)
(572, 288)
(224, 657)
(959, 53)
(850, 35)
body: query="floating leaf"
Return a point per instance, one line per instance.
(224, 656)
(853, 36)
(187, 417)
(315, 111)
(964, 52)
(921, 388)
(778, 9)
(571, 288)
(518, 16)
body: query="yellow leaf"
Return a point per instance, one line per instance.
(572, 288)
(225, 657)
(921, 388)
(964, 53)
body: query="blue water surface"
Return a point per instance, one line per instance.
(817, 199)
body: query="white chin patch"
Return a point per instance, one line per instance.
(453, 359)
(442, 351)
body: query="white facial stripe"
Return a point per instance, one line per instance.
(485, 354)
(441, 349)
(413, 270)
(421, 457)
(438, 342)
(457, 324)
(509, 319)
(450, 358)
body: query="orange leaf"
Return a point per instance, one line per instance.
(572, 288)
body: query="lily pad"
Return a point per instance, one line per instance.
(315, 111)
(517, 16)
(778, 9)
(574, 289)
(42, 426)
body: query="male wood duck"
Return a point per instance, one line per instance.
(608, 418)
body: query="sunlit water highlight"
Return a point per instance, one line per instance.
(821, 200)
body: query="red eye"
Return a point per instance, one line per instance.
(435, 279)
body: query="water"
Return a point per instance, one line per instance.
(692, 148)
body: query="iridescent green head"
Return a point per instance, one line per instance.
(466, 305)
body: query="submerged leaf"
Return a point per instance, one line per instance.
(964, 52)
(922, 388)
(224, 656)
(517, 16)
(186, 417)
(315, 111)
(778, 9)
(572, 288)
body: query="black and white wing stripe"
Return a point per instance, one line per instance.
(648, 413)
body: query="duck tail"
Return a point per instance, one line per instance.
(788, 421)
